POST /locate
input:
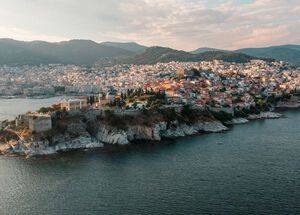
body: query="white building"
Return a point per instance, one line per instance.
(74, 104)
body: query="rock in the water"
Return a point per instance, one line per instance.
(265, 115)
(237, 121)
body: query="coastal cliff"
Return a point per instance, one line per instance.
(111, 135)
(106, 135)
(90, 129)
(34, 148)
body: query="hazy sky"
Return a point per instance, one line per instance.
(181, 24)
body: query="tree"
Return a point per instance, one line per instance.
(45, 109)
(222, 116)
(169, 114)
(91, 100)
(189, 113)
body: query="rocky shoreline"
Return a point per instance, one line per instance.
(108, 135)
(42, 148)
(158, 132)
(264, 115)
(294, 102)
(237, 121)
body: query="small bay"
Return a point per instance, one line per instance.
(10, 108)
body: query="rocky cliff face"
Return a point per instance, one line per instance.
(107, 135)
(34, 148)
(110, 135)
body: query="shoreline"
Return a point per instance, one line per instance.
(108, 135)
(38, 97)
(181, 132)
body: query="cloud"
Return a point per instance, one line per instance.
(174, 23)
(190, 24)
(181, 24)
(25, 35)
(258, 37)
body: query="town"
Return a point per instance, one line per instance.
(179, 94)
(214, 84)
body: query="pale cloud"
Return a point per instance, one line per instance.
(25, 35)
(181, 24)
(190, 24)
(261, 36)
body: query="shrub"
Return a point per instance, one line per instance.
(222, 116)
(240, 113)
(169, 114)
(45, 109)
(189, 114)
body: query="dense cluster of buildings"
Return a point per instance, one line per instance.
(229, 85)
(216, 84)
(49, 80)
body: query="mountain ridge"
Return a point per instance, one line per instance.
(129, 46)
(157, 54)
(78, 52)
(88, 52)
(205, 49)
(289, 52)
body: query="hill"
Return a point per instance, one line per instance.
(78, 52)
(288, 53)
(157, 54)
(87, 52)
(132, 47)
(205, 49)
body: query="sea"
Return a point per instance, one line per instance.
(11, 108)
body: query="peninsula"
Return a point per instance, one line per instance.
(150, 103)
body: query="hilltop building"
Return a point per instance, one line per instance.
(40, 122)
(74, 104)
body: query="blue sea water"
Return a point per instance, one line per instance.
(252, 169)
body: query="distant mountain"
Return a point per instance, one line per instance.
(87, 52)
(78, 52)
(229, 57)
(160, 54)
(19, 53)
(157, 54)
(288, 53)
(132, 47)
(205, 49)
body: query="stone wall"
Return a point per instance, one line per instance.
(40, 123)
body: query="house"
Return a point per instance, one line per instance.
(74, 104)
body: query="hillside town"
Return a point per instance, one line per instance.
(125, 103)
(215, 84)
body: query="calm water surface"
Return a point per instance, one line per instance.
(10, 108)
(252, 169)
